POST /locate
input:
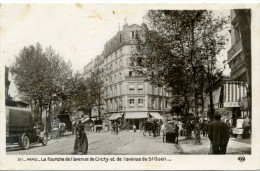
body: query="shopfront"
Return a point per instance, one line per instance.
(135, 118)
(115, 117)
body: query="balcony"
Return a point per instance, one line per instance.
(234, 50)
(136, 92)
(239, 72)
(128, 78)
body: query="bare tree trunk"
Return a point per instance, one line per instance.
(211, 106)
(194, 68)
(40, 114)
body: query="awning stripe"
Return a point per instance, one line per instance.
(135, 115)
(115, 116)
(156, 115)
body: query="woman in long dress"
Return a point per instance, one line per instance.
(81, 140)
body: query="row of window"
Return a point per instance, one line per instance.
(131, 87)
(112, 44)
(114, 66)
(135, 103)
(117, 90)
(114, 55)
(114, 79)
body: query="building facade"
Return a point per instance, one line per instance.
(236, 58)
(127, 96)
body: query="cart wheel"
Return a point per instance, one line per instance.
(25, 142)
(44, 140)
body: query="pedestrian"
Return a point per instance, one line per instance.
(155, 127)
(55, 133)
(134, 128)
(197, 134)
(246, 128)
(61, 128)
(188, 129)
(176, 133)
(115, 127)
(170, 132)
(141, 126)
(205, 128)
(81, 140)
(74, 123)
(218, 133)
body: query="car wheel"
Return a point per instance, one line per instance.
(25, 143)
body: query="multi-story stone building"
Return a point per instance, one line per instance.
(236, 58)
(128, 97)
(95, 68)
(88, 69)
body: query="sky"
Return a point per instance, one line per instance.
(77, 32)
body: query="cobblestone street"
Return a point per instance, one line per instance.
(129, 143)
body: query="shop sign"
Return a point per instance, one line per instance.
(231, 104)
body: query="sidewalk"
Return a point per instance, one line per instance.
(235, 146)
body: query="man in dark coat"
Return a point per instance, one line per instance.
(81, 140)
(218, 133)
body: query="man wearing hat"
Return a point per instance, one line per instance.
(218, 133)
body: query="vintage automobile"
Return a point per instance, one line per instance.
(238, 130)
(21, 129)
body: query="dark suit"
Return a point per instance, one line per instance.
(218, 133)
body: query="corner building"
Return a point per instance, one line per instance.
(236, 58)
(128, 97)
(237, 64)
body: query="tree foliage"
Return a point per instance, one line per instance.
(178, 49)
(41, 77)
(88, 93)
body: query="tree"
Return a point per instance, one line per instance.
(88, 93)
(31, 75)
(42, 78)
(178, 49)
(59, 79)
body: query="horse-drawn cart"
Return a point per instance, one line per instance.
(151, 127)
(170, 133)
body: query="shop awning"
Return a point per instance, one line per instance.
(115, 116)
(135, 115)
(156, 115)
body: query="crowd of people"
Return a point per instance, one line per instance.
(217, 131)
